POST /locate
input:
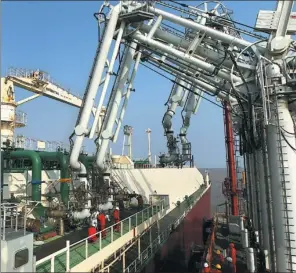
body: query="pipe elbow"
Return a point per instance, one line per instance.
(100, 162)
(74, 163)
(167, 123)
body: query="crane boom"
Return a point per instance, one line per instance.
(39, 82)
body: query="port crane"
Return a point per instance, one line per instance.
(38, 82)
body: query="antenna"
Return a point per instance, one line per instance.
(148, 131)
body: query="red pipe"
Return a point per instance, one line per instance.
(231, 160)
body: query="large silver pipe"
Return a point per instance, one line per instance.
(122, 78)
(229, 39)
(201, 84)
(107, 79)
(186, 57)
(128, 92)
(95, 79)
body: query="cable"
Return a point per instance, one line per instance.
(284, 137)
(173, 81)
(212, 21)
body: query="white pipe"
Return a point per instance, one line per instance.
(106, 206)
(186, 57)
(185, 95)
(123, 75)
(107, 79)
(191, 106)
(85, 182)
(288, 177)
(95, 80)
(201, 84)
(203, 51)
(175, 99)
(263, 202)
(79, 215)
(127, 95)
(155, 27)
(199, 27)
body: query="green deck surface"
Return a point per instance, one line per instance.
(77, 252)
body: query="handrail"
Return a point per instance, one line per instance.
(157, 242)
(139, 218)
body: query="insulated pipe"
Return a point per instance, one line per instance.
(36, 170)
(249, 185)
(229, 138)
(199, 27)
(192, 104)
(122, 78)
(107, 79)
(190, 70)
(276, 195)
(64, 165)
(284, 149)
(186, 57)
(183, 45)
(83, 180)
(201, 84)
(128, 92)
(174, 100)
(253, 189)
(263, 200)
(256, 192)
(95, 79)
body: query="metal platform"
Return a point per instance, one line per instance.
(220, 239)
(78, 253)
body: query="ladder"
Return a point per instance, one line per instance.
(285, 190)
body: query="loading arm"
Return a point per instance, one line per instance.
(191, 107)
(116, 97)
(174, 100)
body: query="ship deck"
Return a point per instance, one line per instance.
(159, 233)
(79, 250)
(223, 237)
(56, 243)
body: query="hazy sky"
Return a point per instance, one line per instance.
(61, 38)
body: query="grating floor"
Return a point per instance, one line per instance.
(78, 252)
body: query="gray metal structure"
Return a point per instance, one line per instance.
(205, 53)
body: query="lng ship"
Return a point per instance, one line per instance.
(51, 199)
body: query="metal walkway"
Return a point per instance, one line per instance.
(80, 252)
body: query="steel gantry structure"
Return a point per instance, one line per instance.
(205, 53)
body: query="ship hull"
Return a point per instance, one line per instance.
(175, 253)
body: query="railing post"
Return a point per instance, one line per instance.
(52, 264)
(129, 223)
(100, 239)
(142, 220)
(86, 249)
(121, 230)
(68, 256)
(112, 230)
(137, 219)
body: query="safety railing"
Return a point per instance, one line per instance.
(74, 254)
(11, 219)
(149, 252)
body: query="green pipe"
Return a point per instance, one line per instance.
(36, 170)
(63, 160)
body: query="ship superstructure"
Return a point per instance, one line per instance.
(202, 53)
